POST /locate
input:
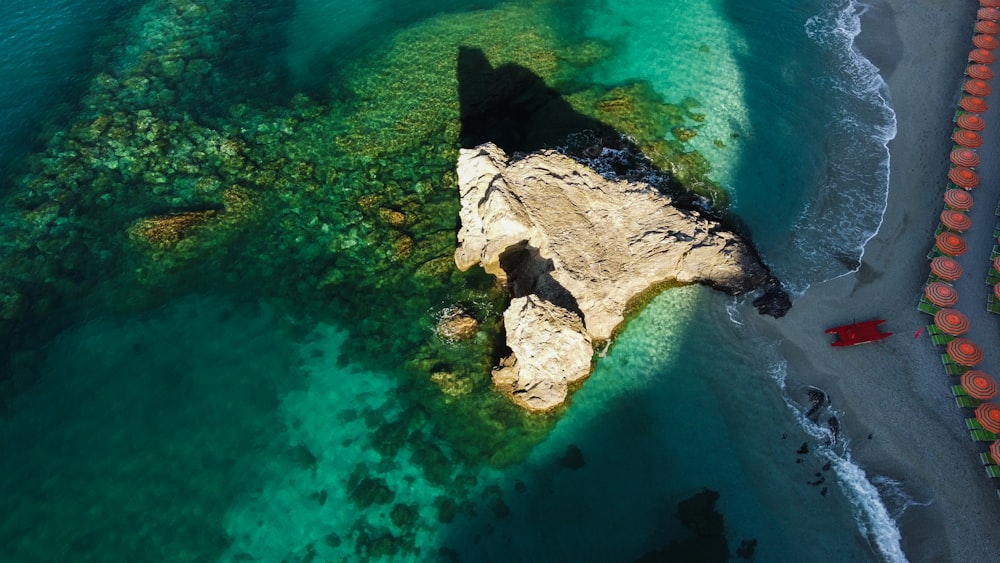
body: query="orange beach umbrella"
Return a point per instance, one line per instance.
(977, 70)
(979, 385)
(973, 104)
(963, 156)
(977, 86)
(958, 199)
(946, 268)
(955, 220)
(986, 26)
(967, 138)
(963, 177)
(991, 14)
(941, 294)
(949, 244)
(971, 121)
(988, 414)
(951, 321)
(981, 56)
(995, 451)
(965, 352)
(985, 41)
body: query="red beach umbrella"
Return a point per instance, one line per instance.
(990, 14)
(967, 138)
(988, 414)
(946, 269)
(973, 104)
(995, 451)
(979, 71)
(964, 157)
(996, 291)
(986, 26)
(996, 264)
(977, 87)
(952, 245)
(985, 41)
(971, 121)
(941, 294)
(951, 321)
(989, 3)
(981, 56)
(963, 177)
(958, 199)
(979, 385)
(955, 220)
(966, 353)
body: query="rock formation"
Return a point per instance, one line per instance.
(575, 249)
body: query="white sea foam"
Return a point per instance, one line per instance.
(867, 495)
(849, 208)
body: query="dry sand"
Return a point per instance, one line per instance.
(896, 390)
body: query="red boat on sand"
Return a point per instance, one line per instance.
(858, 333)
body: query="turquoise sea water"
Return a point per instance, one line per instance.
(245, 384)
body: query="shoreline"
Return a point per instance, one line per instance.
(895, 391)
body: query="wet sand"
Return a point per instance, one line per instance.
(896, 390)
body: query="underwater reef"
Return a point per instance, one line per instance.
(189, 163)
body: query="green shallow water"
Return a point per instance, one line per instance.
(223, 269)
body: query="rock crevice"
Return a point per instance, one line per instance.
(574, 249)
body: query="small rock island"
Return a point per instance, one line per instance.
(574, 249)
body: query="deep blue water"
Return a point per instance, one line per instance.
(207, 420)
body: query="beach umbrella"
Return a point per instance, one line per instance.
(995, 451)
(988, 414)
(941, 294)
(996, 291)
(985, 41)
(951, 321)
(996, 264)
(981, 56)
(952, 245)
(964, 157)
(967, 138)
(989, 3)
(979, 385)
(946, 268)
(973, 104)
(986, 26)
(971, 121)
(977, 87)
(958, 199)
(963, 177)
(990, 14)
(955, 220)
(965, 352)
(979, 71)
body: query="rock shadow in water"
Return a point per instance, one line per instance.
(514, 108)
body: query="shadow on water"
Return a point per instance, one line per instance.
(514, 108)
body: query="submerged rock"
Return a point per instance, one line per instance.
(576, 250)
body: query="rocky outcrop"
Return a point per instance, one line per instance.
(575, 249)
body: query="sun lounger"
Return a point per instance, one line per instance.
(958, 391)
(973, 424)
(941, 339)
(982, 436)
(951, 367)
(992, 304)
(993, 277)
(986, 458)
(993, 471)
(966, 402)
(926, 306)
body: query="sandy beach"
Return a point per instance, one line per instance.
(899, 414)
